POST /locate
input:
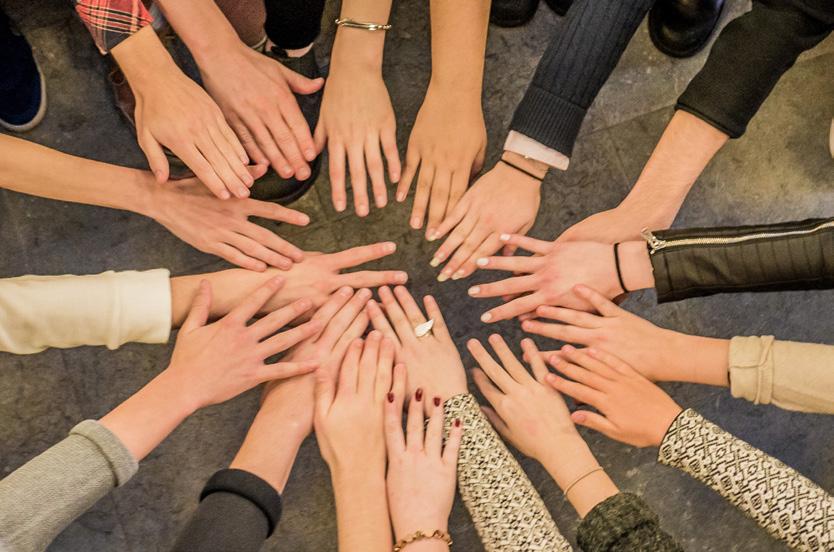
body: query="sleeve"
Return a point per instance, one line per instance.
(577, 62)
(112, 308)
(111, 21)
(624, 523)
(790, 375)
(238, 511)
(747, 60)
(508, 513)
(784, 503)
(771, 257)
(39, 499)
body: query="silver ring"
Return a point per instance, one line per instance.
(424, 329)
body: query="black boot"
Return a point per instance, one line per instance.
(681, 28)
(272, 186)
(22, 91)
(559, 6)
(512, 13)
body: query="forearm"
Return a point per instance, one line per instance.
(571, 466)
(696, 359)
(202, 27)
(33, 169)
(358, 47)
(143, 58)
(228, 288)
(362, 510)
(458, 43)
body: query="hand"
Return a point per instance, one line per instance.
(447, 142)
(421, 472)
(433, 361)
(349, 415)
(223, 228)
(503, 201)
(611, 226)
(657, 353)
(356, 120)
(215, 362)
(173, 111)
(632, 409)
(255, 92)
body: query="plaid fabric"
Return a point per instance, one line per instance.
(111, 21)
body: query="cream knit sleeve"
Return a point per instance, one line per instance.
(786, 504)
(507, 511)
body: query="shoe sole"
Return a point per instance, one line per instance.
(38, 116)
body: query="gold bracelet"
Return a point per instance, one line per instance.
(580, 478)
(346, 22)
(419, 535)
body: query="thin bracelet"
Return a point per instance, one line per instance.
(346, 22)
(617, 264)
(419, 535)
(580, 478)
(525, 171)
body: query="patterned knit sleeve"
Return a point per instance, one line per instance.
(111, 21)
(508, 513)
(786, 504)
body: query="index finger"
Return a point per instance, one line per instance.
(360, 255)
(250, 306)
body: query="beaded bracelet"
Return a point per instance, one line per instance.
(419, 535)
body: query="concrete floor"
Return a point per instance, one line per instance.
(780, 170)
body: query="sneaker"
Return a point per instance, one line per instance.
(22, 89)
(272, 187)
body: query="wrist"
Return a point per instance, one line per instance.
(171, 387)
(450, 89)
(269, 451)
(357, 50)
(142, 58)
(696, 359)
(567, 459)
(148, 195)
(535, 168)
(635, 265)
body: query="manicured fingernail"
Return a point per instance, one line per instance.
(432, 235)
(224, 195)
(390, 397)
(340, 205)
(483, 261)
(310, 153)
(458, 275)
(390, 247)
(418, 395)
(435, 262)
(474, 290)
(457, 422)
(504, 237)
(486, 317)
(437, 401)
(415, 222)
(401, 277)
(443, 277)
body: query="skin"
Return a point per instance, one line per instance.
(535, 419)
(254, 92)
(657, 353)
(349, 427)
(451, 108)
(433, 362)
(172, 111)
(421, 471)
(185, 207)
(357, 120)
(211, 364)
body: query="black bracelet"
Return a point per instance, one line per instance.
(525, 171)
(617, 265)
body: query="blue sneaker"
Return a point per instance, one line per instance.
(22, 90)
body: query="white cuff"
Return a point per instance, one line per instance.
(527, 147)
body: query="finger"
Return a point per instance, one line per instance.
(439, 329)
(578, 391)
(412, 162)
(611, 361)
(385, 363)
(332, 305)
(348, 375)
(595, 421)
(527, 243)
(475, 239)
(295, 119)
(234, 256)
(251, 247)
(247, 140)
(368, 364)
(511, 264)
(598, 300)
(285, 252)
(394, 436)
(569, 316)
(486, 387)
(222, 167)
(358, 179)
(251, 305)
(488, 246)
(228, 137)
(535, 359)
(460, 179)
(433, 443)
(516, 307)
(518, 284)
(453, 217)
(388, 139)
(336, 155)
(452, 448)
(157, 161)
(373, 158)
(509, 250)
(360, 255)
(451, 243)
(491, 368)
(279, 318)
(324, 391)
(284, 340)
(421, 196)
(372, 278)
(273, 211)
(580, 357)
(439, 200)
(300, 84)
(236, 164)
(264, 139)
(283, 136)
(284, 370)
(319, 137)
(409, 306)
(414, 422)
(380, 322)
(343, 318)
(511, 364)
(403, 328)
(568, 334)
(201, 168)
(200, 309)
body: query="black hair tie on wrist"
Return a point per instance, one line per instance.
(617, 265)
(525, 171)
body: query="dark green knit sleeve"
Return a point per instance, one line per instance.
(624, 523)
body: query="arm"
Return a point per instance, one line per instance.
(112, 21)
(786, 504)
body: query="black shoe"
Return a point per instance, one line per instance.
(512, 13)
(22, 90)
(272, 186)
(681, 28)
(559, 6)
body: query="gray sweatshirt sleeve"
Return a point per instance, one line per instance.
(39, 499)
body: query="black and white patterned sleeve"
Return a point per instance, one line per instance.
(508, 513)
(785, 503)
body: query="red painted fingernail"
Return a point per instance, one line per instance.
(437, 401)
(457, 422)
(418, 395)
(390, 397)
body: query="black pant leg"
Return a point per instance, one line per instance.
(293, 24)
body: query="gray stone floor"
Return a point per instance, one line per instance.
(780, 170)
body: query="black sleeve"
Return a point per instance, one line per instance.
(773, 257)
(623, 523)
(579, 59)
(749, 57)
(238, 511)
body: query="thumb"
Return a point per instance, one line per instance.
(319, 137)
(325, 390)
(200, 308)
(157, 161)
(300, 84)
(594, 421)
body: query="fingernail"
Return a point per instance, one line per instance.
(483, 261)
(443, 277)
(504, 237)
(415, 223)
(390, 247)
(568, 348)
(474, 290)
(458, 275)
(310, 153)
(340, 205)
(400, 198)
(437, 401)
(224, 195)
(432, 235)
(457, 422)
(304, 220)
(486, 317)
(381, 201)
(402, 277)
(364, 293)
(345, 290)
(390, 397)
(362, 210)
(435, 262)
(418, 395)
(303, 174)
